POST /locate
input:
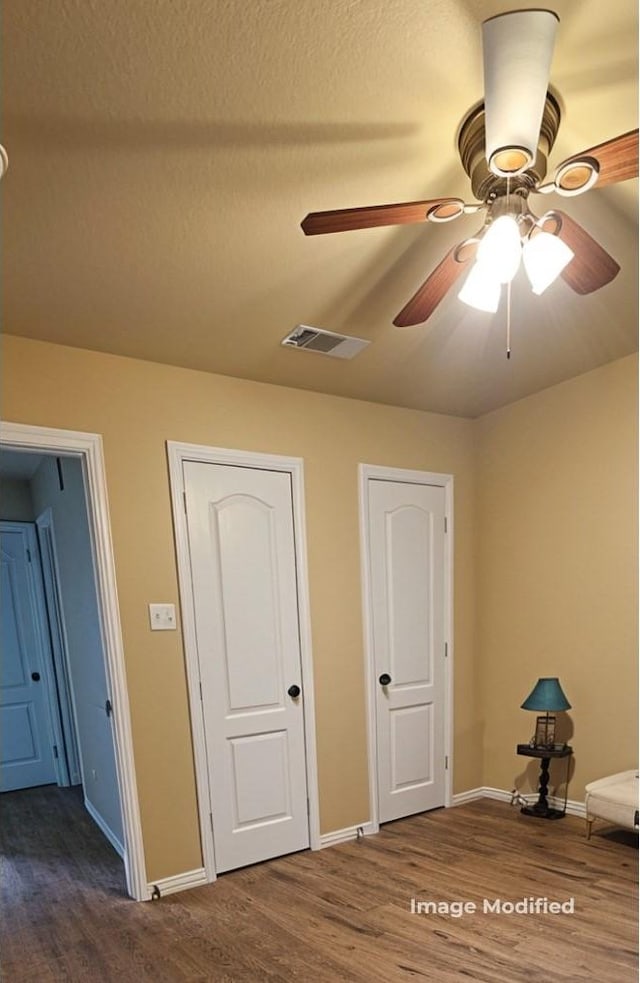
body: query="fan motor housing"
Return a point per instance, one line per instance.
(471, 147)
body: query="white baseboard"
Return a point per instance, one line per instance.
(178, 882)
(344, 835)
(574, 808)
(108, 832)
(198, 877)
(461, 798)
(483, 792)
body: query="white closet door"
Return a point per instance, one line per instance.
(241, 541)
(406, 544)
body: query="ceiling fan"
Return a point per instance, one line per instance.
(503, 144)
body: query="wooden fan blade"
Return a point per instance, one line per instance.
(592, 267)
(438, 283)
(371, 216)
(617, 158)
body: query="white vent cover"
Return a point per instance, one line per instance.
(324, 342)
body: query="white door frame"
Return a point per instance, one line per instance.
(177, 453)
(88, 448)
(365, 473)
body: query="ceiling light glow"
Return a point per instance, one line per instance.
(481, 290)
(500, 249)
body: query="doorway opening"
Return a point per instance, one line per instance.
(56, 521)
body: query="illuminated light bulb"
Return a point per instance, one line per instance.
(481, 289)
(500, 249)
(545, 257)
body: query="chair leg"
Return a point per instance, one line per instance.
(589, 827)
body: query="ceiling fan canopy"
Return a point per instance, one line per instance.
(504, 143)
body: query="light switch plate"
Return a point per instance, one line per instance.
(162, 617)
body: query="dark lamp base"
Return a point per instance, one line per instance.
(542, 812)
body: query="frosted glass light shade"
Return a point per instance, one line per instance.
(481, 290)
(545, 257)
(500, 249)
(518, 48)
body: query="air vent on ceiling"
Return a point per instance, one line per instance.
(324, 342)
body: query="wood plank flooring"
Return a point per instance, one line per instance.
(342, 914)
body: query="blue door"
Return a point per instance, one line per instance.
(26, 744)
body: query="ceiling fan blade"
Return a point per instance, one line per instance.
(438, 283)
(371, 216)
(617, 159)
(592, 267)
(517, 51)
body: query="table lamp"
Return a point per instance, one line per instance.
(546, 695)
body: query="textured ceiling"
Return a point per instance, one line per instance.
(163, 153)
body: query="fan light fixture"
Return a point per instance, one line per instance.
(481, 290)
(499, 250)
(517, 60)
(544, 256)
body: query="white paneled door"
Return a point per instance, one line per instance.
(26, 747)
(406, 530)
(241, 545)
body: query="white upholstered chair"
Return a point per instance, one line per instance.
(614, 799)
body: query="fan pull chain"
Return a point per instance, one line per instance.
(509, 319)
(508, 292)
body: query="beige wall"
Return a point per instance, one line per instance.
(137, 406)
(557, 584)
(547, 532)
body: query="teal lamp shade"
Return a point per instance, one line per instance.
(546, 695)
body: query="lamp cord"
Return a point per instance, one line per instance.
(566, 784)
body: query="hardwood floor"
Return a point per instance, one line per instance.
(343, 913)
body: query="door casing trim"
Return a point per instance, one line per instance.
(366, 472)
(178, 452)
(88, 448)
